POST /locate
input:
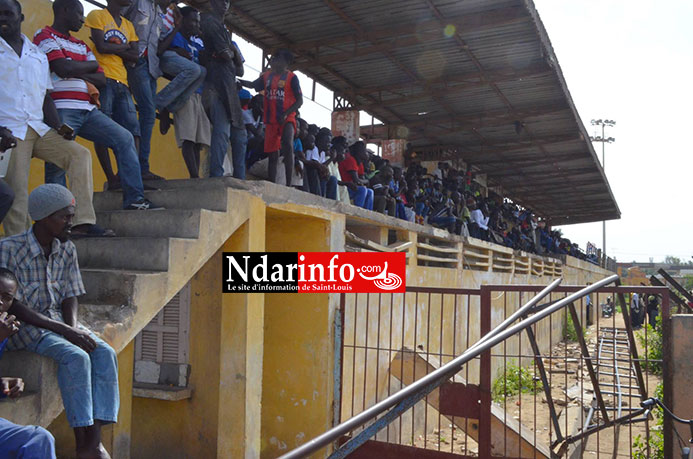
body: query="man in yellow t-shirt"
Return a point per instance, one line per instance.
(115, 46)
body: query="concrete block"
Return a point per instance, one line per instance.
(147, 372)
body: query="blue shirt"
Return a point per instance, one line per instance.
(298, 145)
(194, 46)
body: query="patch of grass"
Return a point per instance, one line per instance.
(654, 346)
(513, 381)
(569, 330)
(656, 440)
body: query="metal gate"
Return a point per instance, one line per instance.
(569, 385)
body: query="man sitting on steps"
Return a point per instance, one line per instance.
(74, 66)
(17, 441)
(28, 112)
(45, 263)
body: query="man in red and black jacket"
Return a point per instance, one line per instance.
(283, 98)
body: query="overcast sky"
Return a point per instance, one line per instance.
(631, 61)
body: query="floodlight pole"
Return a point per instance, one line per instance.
(604, 141)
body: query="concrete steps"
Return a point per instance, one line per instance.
(129, 278)
(182, 223)
(203, 196)
(147, 253)
(111, 286)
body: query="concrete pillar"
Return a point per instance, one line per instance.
(241, 349)
(299, 357)
(346, 123)
(393, 150)
(682, 375)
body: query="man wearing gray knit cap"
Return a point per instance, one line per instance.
(46, 305)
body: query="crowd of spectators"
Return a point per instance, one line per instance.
(56, 87)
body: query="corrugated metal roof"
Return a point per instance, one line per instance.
(476, 68)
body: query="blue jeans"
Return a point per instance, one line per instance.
(401, 213)
(239, 145)
(143, 87)
(221, 133)
(25, 442)
(188, 76)
(329, 187)
(88, 381)
(314, 185)
(99, 128)
(117, 104)
(363, 197)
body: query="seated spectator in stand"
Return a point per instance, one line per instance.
(255, 128)
(224, 64)
(17, 441)
(442, 215)
(337, 150)
(313, 162)
(313, 129)
(34, 124)
(441, 172)
(300, 159)
(380, 184)
(45, 263)
(460, 210)
(352, 171)
(115, 47)
(283, 98)
(75, 70)
(479, 225)
(192, 127)
(396, 190)
(187, 75)
(156, 23)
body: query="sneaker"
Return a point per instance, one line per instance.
(144, 204)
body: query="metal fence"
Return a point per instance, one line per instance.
(575, 397)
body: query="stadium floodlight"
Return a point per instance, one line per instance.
(603, 140)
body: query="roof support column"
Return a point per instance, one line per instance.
(346, 122)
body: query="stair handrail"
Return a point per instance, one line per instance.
(410, 395)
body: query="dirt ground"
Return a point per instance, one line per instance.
(571, 390)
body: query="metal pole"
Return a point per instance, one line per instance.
(604, 221)
(412, 393)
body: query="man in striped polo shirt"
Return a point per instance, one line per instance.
(76, 75)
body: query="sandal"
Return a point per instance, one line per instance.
(92, 231)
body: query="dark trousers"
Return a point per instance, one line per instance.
(6, 199)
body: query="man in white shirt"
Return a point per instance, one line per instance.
(24, 105)
(479, 227)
